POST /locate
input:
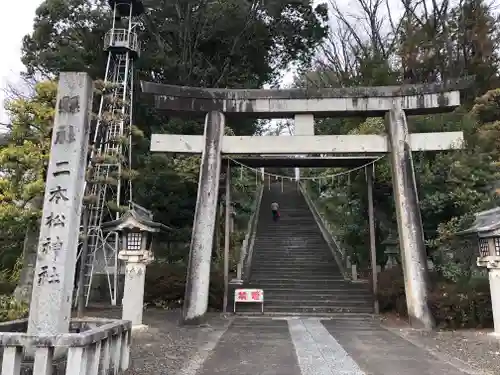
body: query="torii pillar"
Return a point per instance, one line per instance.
(304, 125)
(409, 220)
(200, 254)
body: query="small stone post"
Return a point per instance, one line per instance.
(354, 272)
(411, 234)
(200, 253)
(135, 276)
(50, 310)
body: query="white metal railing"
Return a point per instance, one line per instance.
(122, 38)
(102, 346)
(327, 230)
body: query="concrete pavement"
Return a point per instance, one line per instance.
(314, 346)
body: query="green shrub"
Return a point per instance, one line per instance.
(453, 305)
(11, 309)
(462, 305)
(166, 284)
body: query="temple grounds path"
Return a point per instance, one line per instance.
(304, 346)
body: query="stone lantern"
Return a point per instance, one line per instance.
(486, 229)
(136, 228)
(391, 244)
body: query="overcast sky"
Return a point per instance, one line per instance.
(16, 20)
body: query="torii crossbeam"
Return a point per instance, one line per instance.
(393, 102)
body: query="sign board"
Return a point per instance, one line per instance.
(249, 295)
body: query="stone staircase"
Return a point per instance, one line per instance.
(293, 264)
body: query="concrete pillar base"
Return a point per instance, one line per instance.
(495, 335)
(135, 276)
(140, 328)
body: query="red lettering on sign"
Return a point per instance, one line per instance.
(242, 295)
(256, 295)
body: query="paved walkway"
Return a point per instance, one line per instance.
(300, 346)
(312, 346)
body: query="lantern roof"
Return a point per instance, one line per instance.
(486, 222)
(137, 217)
(391, 239)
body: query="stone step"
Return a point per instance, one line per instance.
(269, 286)
(279, 248)
(277, 262)
(272, 265)
(273, 278)
(291, 259)
(290, 245)
(308, 269)
(316, 271)
(292, 256)
(319, 295)
(285, 243)
(317, 309)
(348, 289)
(306, 273)
(293, 266)
(313, 241)
(342, 317)
(306, 238)
(332, 299)
(324, 264)
(322, 286)
(284, 246)
(328, 266)
(296, 254)
(302, 239)
(277, 229)
(341, 305)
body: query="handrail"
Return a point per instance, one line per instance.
(326, 231)
(246, 252)
(101, 346)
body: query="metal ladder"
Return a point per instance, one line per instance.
(101, 189)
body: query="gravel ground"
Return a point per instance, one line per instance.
(476, 348)
(165, 347)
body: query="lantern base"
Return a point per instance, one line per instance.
(133, 294)
(491, 262)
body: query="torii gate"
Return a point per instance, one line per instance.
(393, 102)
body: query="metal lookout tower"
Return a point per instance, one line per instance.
(109, 185)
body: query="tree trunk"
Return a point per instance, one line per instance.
(25, 286)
